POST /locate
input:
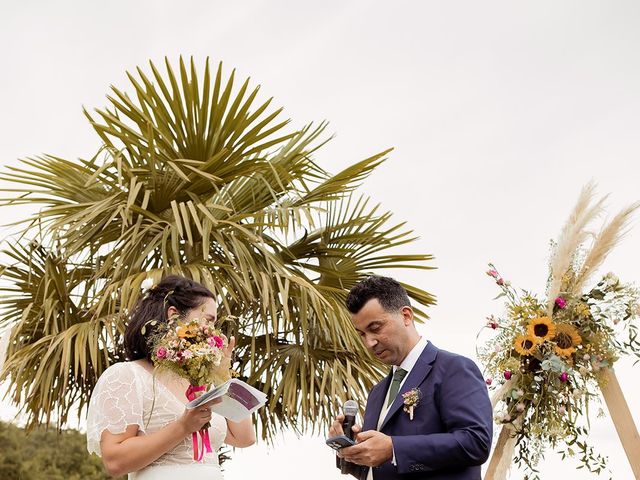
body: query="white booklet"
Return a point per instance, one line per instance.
(239, 400)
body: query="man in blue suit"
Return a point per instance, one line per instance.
(448, 434)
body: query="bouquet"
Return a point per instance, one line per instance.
(194, 350)
(547, 357)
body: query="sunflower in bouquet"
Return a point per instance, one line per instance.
(547, 356)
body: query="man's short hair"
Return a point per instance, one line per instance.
(391, 295)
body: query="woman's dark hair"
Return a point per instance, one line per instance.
(173, 291)
(391, 295)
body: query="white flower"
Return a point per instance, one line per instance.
(146, 284)
(202, 351)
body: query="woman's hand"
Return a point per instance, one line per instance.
(227, 357)
(228, 351)
(193, 419)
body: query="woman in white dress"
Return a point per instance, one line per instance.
(137, 421)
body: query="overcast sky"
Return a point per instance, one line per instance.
(499, 113)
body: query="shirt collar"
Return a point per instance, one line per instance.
(411, 359)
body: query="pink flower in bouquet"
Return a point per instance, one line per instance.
(564, 377)
(493, 273)
(507, 374)
(561, 302)
(161, 352)
(488, 381)
(500, 281)
(216, 341)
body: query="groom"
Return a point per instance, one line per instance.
(449, 436)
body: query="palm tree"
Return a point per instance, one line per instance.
(203, 180)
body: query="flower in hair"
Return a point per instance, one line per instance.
(147, 285)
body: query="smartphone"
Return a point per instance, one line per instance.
(340, 442)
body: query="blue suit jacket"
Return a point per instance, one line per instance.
(451, 431)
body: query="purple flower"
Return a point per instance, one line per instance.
(564, 377)
(561, 302)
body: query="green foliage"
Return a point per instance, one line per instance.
(46, 455)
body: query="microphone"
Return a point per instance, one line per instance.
(350, 409)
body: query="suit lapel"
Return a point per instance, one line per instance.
(376, 400)
(417, 375)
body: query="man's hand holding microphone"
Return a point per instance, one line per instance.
(372, 448)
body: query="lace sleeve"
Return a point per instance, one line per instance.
(116, 402)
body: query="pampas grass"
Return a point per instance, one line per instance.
(575, 234)
(572, 235)
(603, 243)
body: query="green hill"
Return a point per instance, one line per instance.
(46, 455)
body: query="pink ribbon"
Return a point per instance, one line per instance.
(192, 390)
(204, 433)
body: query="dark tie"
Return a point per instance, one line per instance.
(398, 376)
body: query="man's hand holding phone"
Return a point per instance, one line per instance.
(337, 437)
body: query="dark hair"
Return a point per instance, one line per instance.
(173, 291)
(391, 295)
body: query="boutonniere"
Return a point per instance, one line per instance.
(411, 401)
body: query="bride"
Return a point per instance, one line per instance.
(137, 421)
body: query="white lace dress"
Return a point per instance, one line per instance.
(127, 394)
